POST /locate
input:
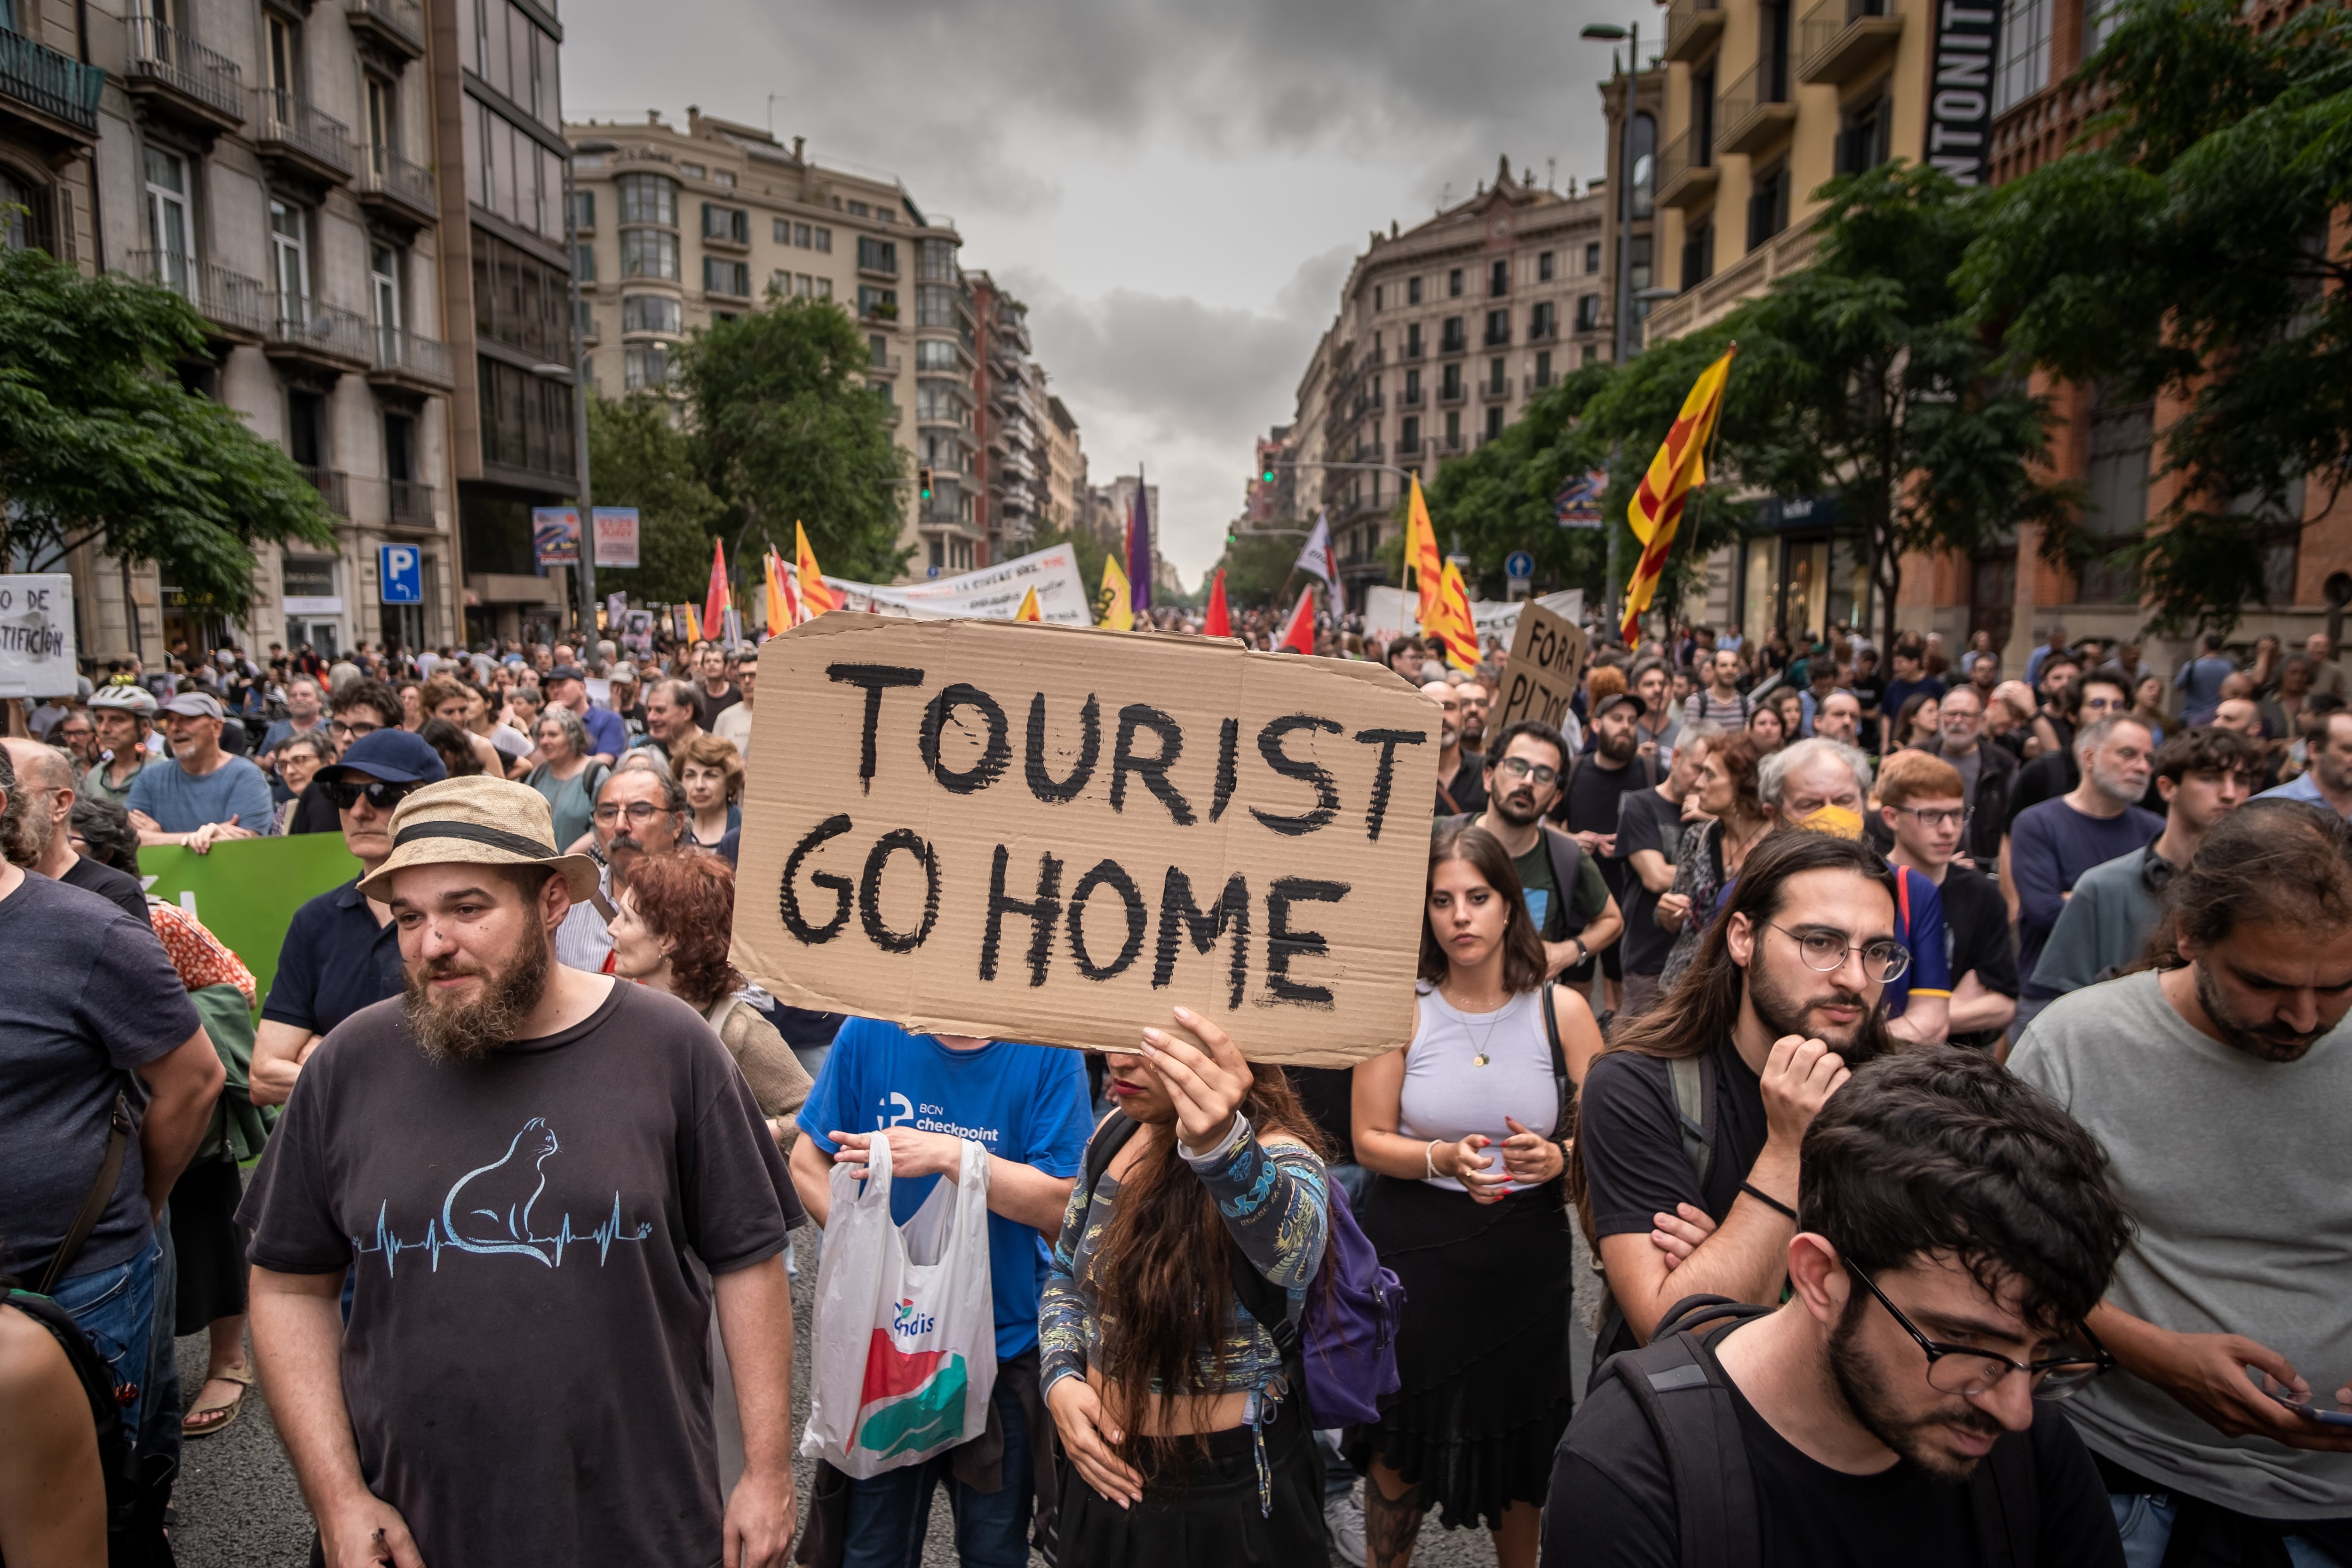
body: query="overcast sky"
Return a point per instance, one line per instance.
(1177, 189)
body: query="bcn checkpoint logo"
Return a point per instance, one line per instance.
(909, 1322)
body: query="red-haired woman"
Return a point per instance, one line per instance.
(1462, 1130)
(669, 931)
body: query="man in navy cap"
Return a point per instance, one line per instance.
(209, 795)
(608, 737)
(341, 952)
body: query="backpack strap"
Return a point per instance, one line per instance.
(1564, 853)
(1110, 1135)
(1694, 1087)
(1680, 1391)
(119, 1127)
(1559, 1062)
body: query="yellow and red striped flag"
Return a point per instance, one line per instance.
(1028, 610)
(817, 596)
(1420, 555)
(1679, 468)
(780, 610)
(714, 604)
(1450, 621)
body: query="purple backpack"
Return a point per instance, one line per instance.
(1345, 1340)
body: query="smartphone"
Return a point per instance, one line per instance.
(2313, 1412)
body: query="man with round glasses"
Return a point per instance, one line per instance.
(341, 951)
(640, 810)
(1903, 1405)
(1568, 897)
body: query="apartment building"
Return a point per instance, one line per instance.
(1011, 483)
(266, 160)
(679, 228)
(1066, 468)
(1444, 332)
(1636, 215)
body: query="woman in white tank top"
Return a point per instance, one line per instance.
(1460, 1129)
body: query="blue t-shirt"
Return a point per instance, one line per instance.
(1930, 974)
(1026, 1103)
(608, 736)
(182, 802)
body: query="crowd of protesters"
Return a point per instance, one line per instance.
(1942, 1068)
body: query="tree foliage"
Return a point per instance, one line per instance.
(2191, 255)
(784, 429)
(637, 456)
(1258, 564)
(100, 444)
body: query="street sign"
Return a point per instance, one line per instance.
(400, 574)
(1519, 565)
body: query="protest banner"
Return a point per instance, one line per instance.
(1541, 676)
(246, 890)
(1056, 834)
(555, 536)
(37, 635)
(992, 593)
(616, 535)
(1388, 613)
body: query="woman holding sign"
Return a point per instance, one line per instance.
(1461, 1128)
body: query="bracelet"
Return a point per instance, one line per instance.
(1428, 1157)
(1767, 1199)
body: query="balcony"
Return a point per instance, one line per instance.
(395, 188)
(409, 504)
(291, 133)
(1755, 112)
(179, 78)
(394, 27)
(1686, 173)
(1495, 392)
(1449, 442)
(1692, 29)
(1841, 39)
(332, 483)
(1456, 344)
(323, 336)
(234, 303)
(1530, 385)
(885, 364)
(407, 361)
(1410, 398)
(1412, 353)
(53, 90)
(1452, 395)
(1498, 337)
(1546, 331)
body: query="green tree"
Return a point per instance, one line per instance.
(637, 456)
(1257, 565)
(100, 444)
(784, 429)
(2190, 255)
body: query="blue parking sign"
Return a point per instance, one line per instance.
(400, 574)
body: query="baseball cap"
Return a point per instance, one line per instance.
(136, 699)
(623, 671)
(395, 755)
(195, 705)
(1614, 700)
(563, 673)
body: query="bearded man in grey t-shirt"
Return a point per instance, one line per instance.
(2217, 1085)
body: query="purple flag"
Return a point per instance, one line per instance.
(1138, 549)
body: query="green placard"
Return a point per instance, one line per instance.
(247, 891)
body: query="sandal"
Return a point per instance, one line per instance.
(205, 1419)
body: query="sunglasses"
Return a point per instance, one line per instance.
(346, 793)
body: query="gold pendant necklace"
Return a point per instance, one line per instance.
(1482, 1056)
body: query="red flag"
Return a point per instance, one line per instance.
(1221, 622)
(714, 606)
(1300, 633)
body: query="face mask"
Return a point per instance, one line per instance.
(1837, 822)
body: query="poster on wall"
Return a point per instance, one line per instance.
(555, 536)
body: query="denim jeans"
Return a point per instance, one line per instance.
(2145, 1521)
(126, 1311)
(890, 1514)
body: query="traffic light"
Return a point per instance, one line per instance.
(1267, 477)
(924, 479)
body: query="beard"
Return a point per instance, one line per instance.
(1784, 1010)
(2117, 784)
(479, 1030)
(1517, 807)
(1857, 1381)
(2264, 1043)
(1617, 747)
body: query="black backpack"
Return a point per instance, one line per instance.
(134, 1533)
(1680, 1391)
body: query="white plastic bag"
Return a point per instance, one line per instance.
(905, 1355)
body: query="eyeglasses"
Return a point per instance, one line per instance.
(348, 729)
(2104, 705)
(1960, 1369)
(1520, 768)
(1937, 817)
(1882, 963)
(348, 792)
(638, 811)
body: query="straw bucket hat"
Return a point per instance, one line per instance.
(479, 820)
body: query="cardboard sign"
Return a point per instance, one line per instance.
(37, 635)
(1056, 835)
(1547, 657)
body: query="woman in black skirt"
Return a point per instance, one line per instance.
(1466, 1207)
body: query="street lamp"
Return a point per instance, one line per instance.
(1631, 34)
(584, 575)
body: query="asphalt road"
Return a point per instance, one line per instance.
(238, 1507)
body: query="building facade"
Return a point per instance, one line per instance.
(1011, 484)
(679, 228)
(1444, 332)
(1065, 469)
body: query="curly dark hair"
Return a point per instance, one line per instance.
(688, 900)
(106, 828)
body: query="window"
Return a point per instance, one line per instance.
(824, 288)
(1588, 312)
(723, 177)
(1768, 203)
(1645, 165)
(1449, 384)
(1543, 267)
(648, 253)
(1499, 381)
(1408, 436)
(1413, 292)
(781, 230)
(290, 260)
(644, 365)
(1498, 278)
(1453, 284)
(942, 402)
(583, 262)
(1699, 254)
(1454, 430)
(691, 170)
(935, 354)
(1452, 340)
(938, 262)
(1543, 367)
(1865, 136)
(1543, 321)
(1493, 422)
(859, 210)
(383, 287)
(1592, 255)
(1592, 352)
(935, 305)
(877, 254)
(22, 206)
(1413, 340)
(583, 209)
(823, 238)
(382, 102)
(722, 277)
(731, 224)
(651, 313)
(877, 349)
(648, 199)
(284, 41)
(1637, 261)
(1499, 327)
(168, 228)
(877, 304)
(519, 300)
(1376, 297)
(2023, 67)
(526, 419)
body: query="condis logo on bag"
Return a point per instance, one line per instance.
(907, 1321)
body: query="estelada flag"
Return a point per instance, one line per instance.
(1679, 468)
(693, 625)
(1421, 561)
(1114, 606)
(1452, 622)
(1028, 610)
(714, 604)
(1300, 633)
(780, 604)
(1219, 622)
(817, 596)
